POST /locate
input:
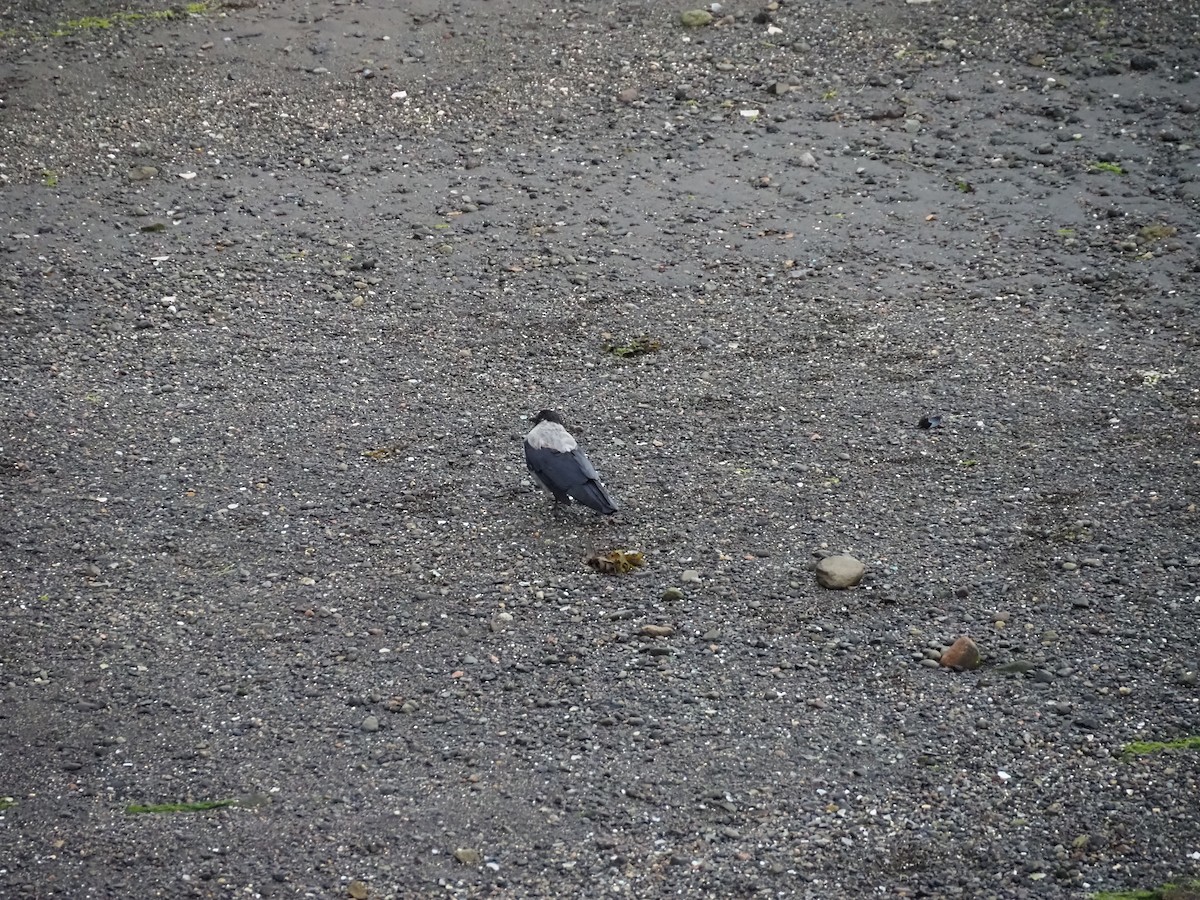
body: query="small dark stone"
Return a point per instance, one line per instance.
(1142, 63)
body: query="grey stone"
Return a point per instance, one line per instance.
(839, 572)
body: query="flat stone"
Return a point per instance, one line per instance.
(657, 630)
(1017, 667)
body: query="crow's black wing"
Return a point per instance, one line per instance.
(569, 475)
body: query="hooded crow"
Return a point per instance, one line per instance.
(559, 466)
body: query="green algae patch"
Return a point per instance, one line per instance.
(95, 24)
(1143, 748)
(1188, 891)
(135, 809)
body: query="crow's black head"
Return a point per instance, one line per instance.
(547, 415)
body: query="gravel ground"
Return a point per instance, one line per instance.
(281, 286)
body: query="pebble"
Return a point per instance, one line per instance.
(963, 654)
(839, 572)
(673, 594)
(370, 724)
(695, 18)
(690, 576)
(468, 856)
